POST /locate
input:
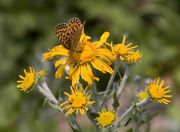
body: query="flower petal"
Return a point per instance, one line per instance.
(103, 39)
(85, 75)
(75, 77)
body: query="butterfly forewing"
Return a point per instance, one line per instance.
(69, 33)
(62, 34)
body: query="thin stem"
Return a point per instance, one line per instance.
(116, 67)
(95, 97)
(94, 93)
(44, 90)
(73, 123)
(139, 104)
(123, 81)
(45, 86)
(52, 101)
(108, 88)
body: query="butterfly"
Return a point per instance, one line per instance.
(69, 33)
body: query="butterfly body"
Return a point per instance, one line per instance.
(69, 33)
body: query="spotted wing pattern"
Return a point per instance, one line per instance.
(69, 33)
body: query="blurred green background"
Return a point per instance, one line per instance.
(27, 30)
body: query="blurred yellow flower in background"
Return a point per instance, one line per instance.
(87, 55)
(28, 80)
(158, 92)
(122, 49)
(143, 94)
(126, 52)
(78, 101)
(41, 73)
(133, 57)
(106, 118)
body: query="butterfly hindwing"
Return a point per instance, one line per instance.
(76, 31)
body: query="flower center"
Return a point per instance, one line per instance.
(84, 53)
(78, 100)
(143, 95)
(121, 49)
(29, 79)
(106, 118)
(156, 91)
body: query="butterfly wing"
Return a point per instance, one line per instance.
(62, 33)
(75, 27)
(69, 33)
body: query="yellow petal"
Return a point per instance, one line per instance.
(72, 69)
(59, 72)
(103, 39)
(60, 61)
(97, 66)
(75, 77)
(85, 75)
(103, 66)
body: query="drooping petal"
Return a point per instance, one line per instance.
(103, 39)
(60, 61)
(85, 75)
(75, 77)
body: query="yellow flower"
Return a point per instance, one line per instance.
(133, 57)
(78, 101)
(87, 55)
(143, 94)
(41, 73)
(106, 118)
(123, 49)
(27, 82)
(158, 92)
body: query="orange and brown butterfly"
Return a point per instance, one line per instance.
(69, 33)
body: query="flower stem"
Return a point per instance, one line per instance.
(73, 123)
(94, 94)
(130, 109)
(108, 92)
(123, 81)
(116, 67)
(53, 102)
(44, 90)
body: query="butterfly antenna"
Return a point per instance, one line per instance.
(84, 23)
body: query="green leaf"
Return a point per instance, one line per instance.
(128, 121)
(149, 116)
(130, 130)
(74, 129)
(115, 102)
(92, 116)
(73, 124)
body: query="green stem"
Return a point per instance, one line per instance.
(130, 109)
(116, 67)
(72, 121)
(53, 102)
(94, 94)
(108, 92)
(123, 81)
(94, 91)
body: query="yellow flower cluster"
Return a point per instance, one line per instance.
(126, 52)
(80, 65)
(156, 91)
(88, 55)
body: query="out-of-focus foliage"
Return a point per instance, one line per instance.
(27, 29)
